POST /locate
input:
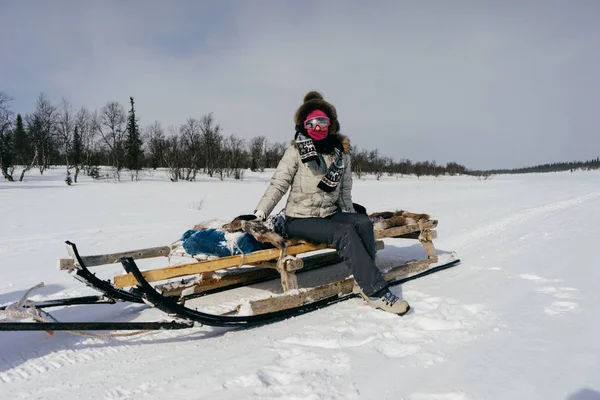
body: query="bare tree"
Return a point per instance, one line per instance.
(211, 142)
(66, 128)
(192, 148)
(257, 153)
(405, 167)
(434, 169)
(453, 168)
(419, 169)
(44, 130)
(173, 156)
(234, 156)
(84, 123)
(29, 152)
(359, 161)
(274, 153)
(111, 126)
(389, 166)
(376, 163)
(154, 136)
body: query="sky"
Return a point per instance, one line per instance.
(487, 84)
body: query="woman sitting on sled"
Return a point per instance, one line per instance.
(319, 208)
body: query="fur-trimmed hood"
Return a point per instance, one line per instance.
(314, 101)
(342, 138)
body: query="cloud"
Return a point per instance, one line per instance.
(486, 85)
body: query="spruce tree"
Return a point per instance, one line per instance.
(133, 143)
(21, 143)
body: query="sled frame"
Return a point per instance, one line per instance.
(284, 262)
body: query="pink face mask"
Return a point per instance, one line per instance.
(317, 125)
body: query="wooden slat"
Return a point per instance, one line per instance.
(297, 299)
(122, 281)
(410, 268)
(403, 230)
(236, 276)
(210, 284)
(92, 261)
(102, 259)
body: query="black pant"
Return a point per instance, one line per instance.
(353, 237)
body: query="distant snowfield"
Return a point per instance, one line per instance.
(518, 319)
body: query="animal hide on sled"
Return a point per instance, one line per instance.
(263, 232)
(257, 229)
(388, 219)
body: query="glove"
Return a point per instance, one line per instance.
(245, 217)
(260, 215)
(359, 209)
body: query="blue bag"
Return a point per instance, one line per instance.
(213, 242)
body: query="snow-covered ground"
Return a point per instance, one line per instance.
(518, 319)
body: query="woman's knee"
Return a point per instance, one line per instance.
(344, 233)
(363, 221)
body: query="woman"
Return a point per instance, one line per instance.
(319, 208)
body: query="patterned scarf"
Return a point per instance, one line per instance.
(310, 157)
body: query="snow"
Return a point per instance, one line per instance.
(517, 319)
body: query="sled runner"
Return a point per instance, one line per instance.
(175, 285)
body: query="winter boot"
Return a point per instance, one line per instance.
(385, 300)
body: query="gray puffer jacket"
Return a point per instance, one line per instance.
(306, 199)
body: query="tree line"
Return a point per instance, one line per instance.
(549, 167)
(83, 140)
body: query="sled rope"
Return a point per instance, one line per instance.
(20, 314)
(176, 245)
(233, 243)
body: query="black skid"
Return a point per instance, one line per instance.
(92, 326)
(425, 273)
(84, 275)
(69, 301)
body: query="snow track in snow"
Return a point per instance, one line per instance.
(471, 238)
(441, 396)
(30, 364)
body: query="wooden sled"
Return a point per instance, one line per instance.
(223, 273)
